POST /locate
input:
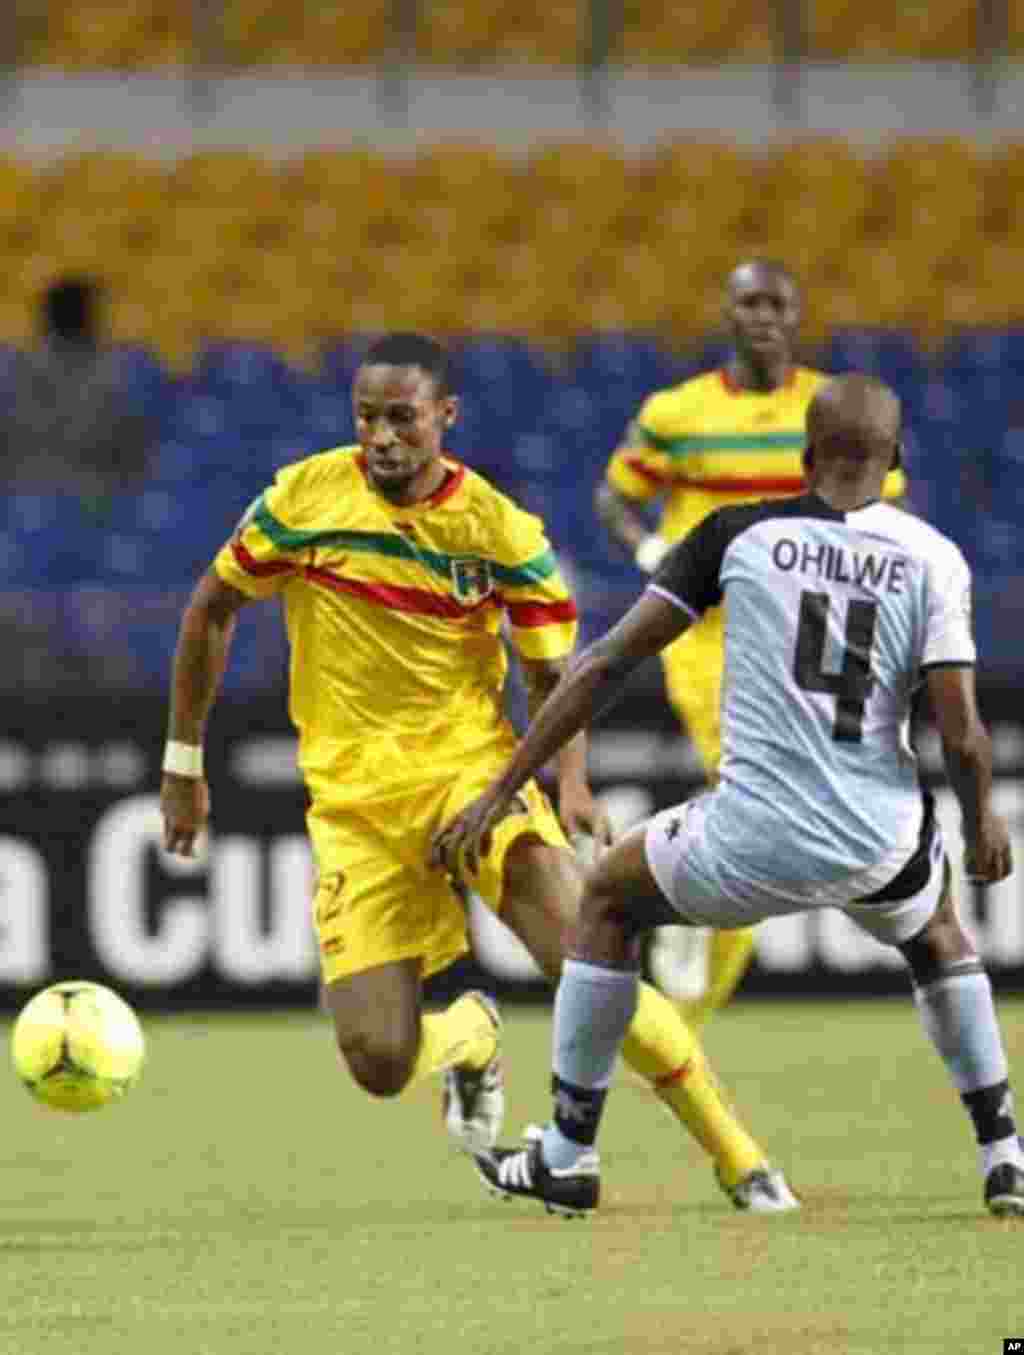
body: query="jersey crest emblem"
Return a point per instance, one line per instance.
(472, 580)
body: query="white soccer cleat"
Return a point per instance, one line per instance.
(474, 1098)
(762, 1191)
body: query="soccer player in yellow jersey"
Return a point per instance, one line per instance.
(397, 567)
(726, 437)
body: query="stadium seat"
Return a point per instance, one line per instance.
(661, 33)
(935, 30)
(889, 354)
(108, 35)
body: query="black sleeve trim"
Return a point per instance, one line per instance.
(690, 572)
(949, 663)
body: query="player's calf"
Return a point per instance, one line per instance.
(954, 999)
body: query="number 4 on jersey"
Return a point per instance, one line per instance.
(852, 684)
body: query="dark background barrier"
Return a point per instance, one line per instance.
(85, 891)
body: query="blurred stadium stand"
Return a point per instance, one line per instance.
(161, 34)
(571, 276)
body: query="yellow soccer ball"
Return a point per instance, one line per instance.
(77, 1046)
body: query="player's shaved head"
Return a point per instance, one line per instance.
(855, 407)
(853, 437)
(758, 272)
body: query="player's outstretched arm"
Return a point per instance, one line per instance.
(967, 751)
(204, 640)
(592, 682)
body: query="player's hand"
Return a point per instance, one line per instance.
(988, 857)
(185, 806)
(582, 815)
(468, 836)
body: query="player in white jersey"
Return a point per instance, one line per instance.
(839, 609)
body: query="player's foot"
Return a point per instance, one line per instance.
(762, 1191)
(474, 1098)
(1004, 1191)
(522, 1174)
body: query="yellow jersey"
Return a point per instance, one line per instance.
(394, 614)
(707, 442)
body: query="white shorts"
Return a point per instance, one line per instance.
(892, 902)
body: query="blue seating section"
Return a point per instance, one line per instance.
(538, 429)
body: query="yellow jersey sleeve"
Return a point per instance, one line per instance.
(642, 468)
(255, 561)
(540, 610)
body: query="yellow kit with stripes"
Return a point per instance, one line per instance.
(395, 617)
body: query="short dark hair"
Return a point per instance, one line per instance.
(69, 307)
(413, 350)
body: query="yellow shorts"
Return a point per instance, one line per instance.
(693, 683)
(377, 901)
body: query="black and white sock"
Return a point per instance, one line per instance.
(959, 1017)
(593, 1009)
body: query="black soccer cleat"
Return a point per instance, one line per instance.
(522, 1174)
(1004, 1191)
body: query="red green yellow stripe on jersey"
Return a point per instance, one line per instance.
(395, 546)
(706, 442)
(463, 558)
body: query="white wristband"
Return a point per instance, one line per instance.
(183, 759)
(651, 551)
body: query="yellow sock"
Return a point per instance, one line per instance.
(666, 1053)
(463, 1034)
(728, 957)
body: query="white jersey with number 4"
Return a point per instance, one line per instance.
(832, 619)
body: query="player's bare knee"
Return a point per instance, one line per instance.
(940, 944)
(601, 934)
(380, 1066)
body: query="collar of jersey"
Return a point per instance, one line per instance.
(733, 389)
(449, 486)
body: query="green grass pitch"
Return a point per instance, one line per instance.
(246, 1200)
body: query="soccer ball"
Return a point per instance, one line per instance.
(77, 1046)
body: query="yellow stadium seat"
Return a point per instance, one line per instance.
(347, 35)
(237, 177)
(492, 33)
(108, 34)
(1004, 190)
(259, 32)
(349, 180)
(462, 169)
(459, 35)
(820, 188)
(871, 30)
(664, 33)
(284, 33)
(1016, 26)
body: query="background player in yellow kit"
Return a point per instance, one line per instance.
(725, 437)
(397, 566)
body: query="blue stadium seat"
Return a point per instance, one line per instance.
(326, 414)
(891, 355)
(621, 367)
(175, 462)
(198, 419)
(48, 538)
(225, 368)
(339, 360)
(145, 379)
(134, 623)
